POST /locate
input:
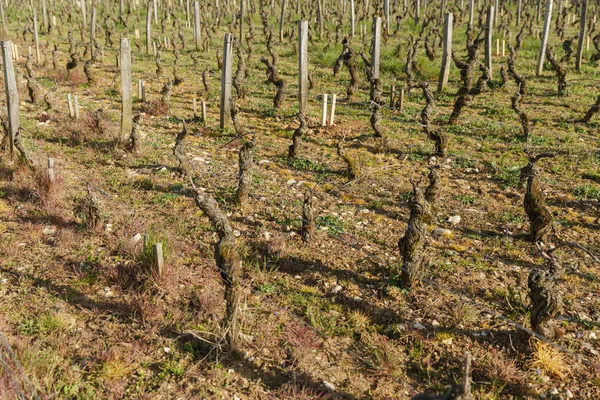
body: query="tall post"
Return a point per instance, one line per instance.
(386, 12)
(352, 18)
(12, 96)
(83, 12)
(582, 22)
(471, 12)
(320, 16)
(4, 27)
(447, 51)
(225, 119)
(281, 19)
(542, 55)
(93, 33)
(126, 98)
(242, 10)
(187, 12)
(303, 66)
(496, 8)
(148, 28)
(376, 52)
(155, 11)
(36, 37)
(417, 11)
(45, 15)
(489, 31)
(197, 24)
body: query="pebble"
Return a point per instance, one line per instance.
(569, 394)
(264, 162)
(336, 289)
(553, 391)
(290, 182)
(49, 230)
(167, 349)
(237, 233)
(593, 335)
(447, 342)
(136, 238)
(364, 211)
(441, 232)
(329, 386)
(435, 324)
(108, 228)
(268, 235)
(418, 326)
(454, 220)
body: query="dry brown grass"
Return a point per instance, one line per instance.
(549, 360)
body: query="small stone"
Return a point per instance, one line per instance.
(268, 235)
(290, 182)
(334, 313)
(108, 228)
(230, 371)
(49, 230)
(364, 211)
(418, 326)
(435, 324)
(336, 289)
(454, 220)
(447, 342)
(593, 335)
(264, 162)
(569, 394)
(250, 359)
(236, 233)
(297, 277)
(440, 232)
(167, 349)
(136, 238)
(553, 391)
(329, 386)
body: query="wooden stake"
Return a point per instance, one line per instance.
(12, 96)
(225, 118)
(324, 114)
(159, 262)
(149, 29)
(76, 106)
(51, 170)
(197, 24)
(70, 105)
(303, 67)
(488, 39)
(204, 111)
(126, 98)
(447, 53)
(582, 21)
(36, 37)
(332, 115)
(401, 105)
(542, 55)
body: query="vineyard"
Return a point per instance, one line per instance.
(244, 199)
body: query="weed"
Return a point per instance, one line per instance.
(29, 327)
(466, 199)
(549, 360)
(587, 191)
(171, 368)
(334, 224)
